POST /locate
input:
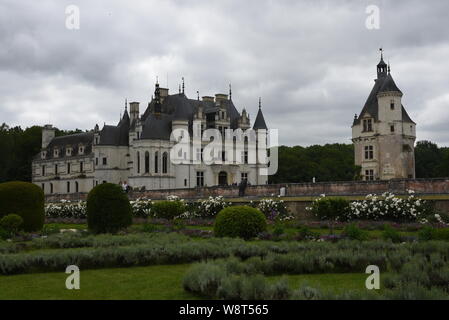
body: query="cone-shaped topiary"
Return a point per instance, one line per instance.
(24, 199)
(108, 209)
(240, 221)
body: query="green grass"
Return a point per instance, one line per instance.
(142, 283)
(153, 283)
(66, 226)
(337, 282)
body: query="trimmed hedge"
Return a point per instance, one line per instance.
(24, 199)
(331, 208)
(168, 209)
(11, 223)
(240, 221)
(108, 209)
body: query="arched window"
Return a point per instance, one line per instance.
(138, 161)
(156, 162)
(147, 162)
(165, 162)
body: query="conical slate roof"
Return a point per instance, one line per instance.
(389, 85)
(371, 107)
(259, 123)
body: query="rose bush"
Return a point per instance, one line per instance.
(273, 209)
(385, 207)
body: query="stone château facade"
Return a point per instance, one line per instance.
(137, 149)
(384, 134)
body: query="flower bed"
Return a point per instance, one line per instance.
(386, 207)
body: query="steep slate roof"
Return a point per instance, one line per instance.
(179, 107)
(116, 135)
(382, 84)
(259, 123)
(388, 85)
(157, 127)
(72, 141)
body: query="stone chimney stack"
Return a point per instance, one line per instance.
(133, 111)
(48, 133)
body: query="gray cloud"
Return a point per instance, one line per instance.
(312, 62)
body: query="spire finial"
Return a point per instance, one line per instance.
(179, 88)
(260, 102)
(183, 85)
(381, 53)
(198, 95)
(126, 104)
(230, 92)
(157, 79)
(389, 68)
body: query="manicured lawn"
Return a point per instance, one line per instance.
(153, 282)
(338, 282)
(148, 283)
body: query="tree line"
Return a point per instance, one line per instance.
(330, 162)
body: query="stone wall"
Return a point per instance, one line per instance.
(353, 188)
(299, 196)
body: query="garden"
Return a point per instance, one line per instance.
(214, 249)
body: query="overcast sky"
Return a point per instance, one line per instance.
(312, 62)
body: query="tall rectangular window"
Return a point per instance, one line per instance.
(105, 161)
(244, 176)
(56, 169)
(81, 166)
(367, 125)
(369, 152)
(43, 170)
(199, 178)
(68, 168)
(392, 105)
(369, 175)
(392, 128)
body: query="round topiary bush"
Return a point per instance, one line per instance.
(108, 209)
(168, 209)
(240, 221)
(24, 199)
(11, 223)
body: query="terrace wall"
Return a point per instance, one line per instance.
(299, 195)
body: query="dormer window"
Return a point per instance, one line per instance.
(56, 153)
(68, 152)
(44, 154)
(367, 125)
(81, 150)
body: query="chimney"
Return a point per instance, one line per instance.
(48, 133)
(208, 99)
(133, 111)
(164, 93)
(220, 97)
